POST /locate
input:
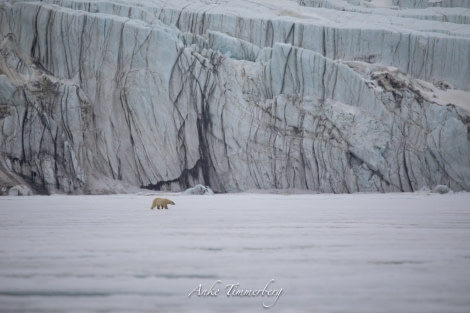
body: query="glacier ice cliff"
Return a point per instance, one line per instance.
(329, 96)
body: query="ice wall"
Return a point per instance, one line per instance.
(99, 96)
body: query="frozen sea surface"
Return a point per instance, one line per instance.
(329, 253)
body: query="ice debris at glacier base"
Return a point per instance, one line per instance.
(199, 190)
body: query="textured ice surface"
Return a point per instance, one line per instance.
(329, 253)
(331, 96)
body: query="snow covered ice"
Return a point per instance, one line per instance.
(336, 96)
(399, 252)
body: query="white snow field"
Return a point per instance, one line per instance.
(400, 252)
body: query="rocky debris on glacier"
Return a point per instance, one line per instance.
(394, 4)
(97, 97)
(431, 3)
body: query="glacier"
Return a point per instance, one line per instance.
(327, 96)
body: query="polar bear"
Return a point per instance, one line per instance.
(161, 203)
